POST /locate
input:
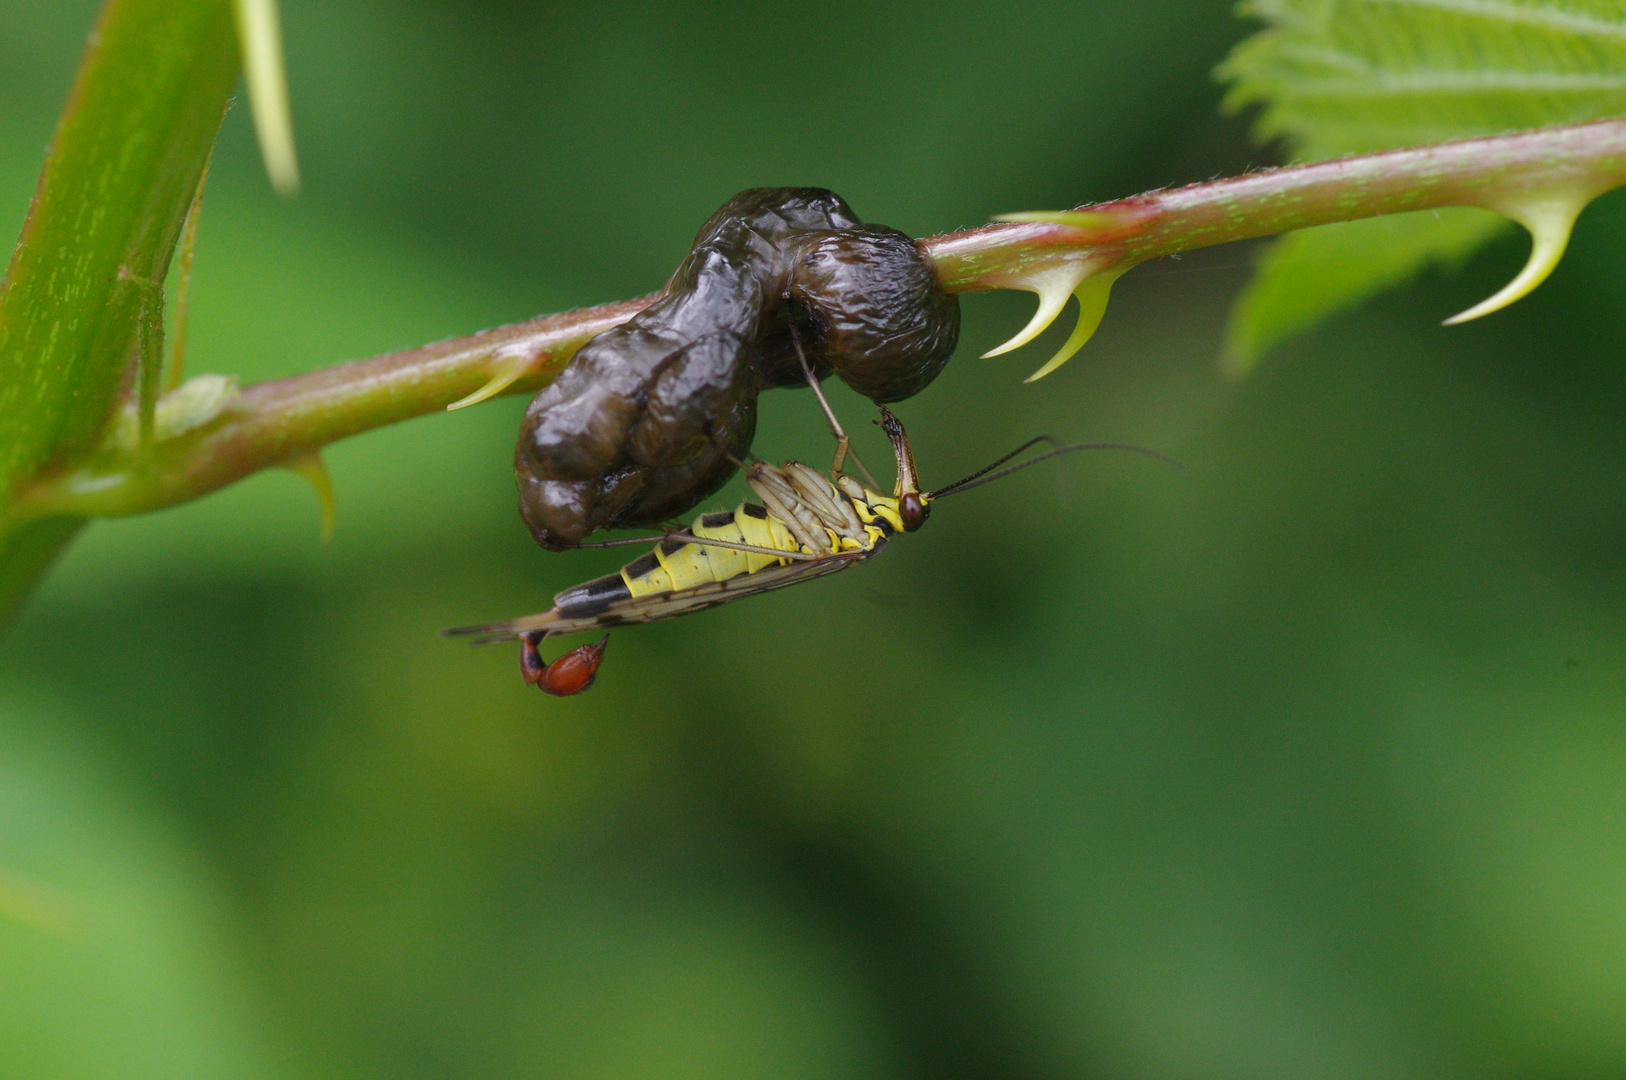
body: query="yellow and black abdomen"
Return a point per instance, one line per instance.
(675, 565)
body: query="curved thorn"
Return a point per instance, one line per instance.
(260, 39)
(310, 466)
(1100, 220)
(508, 371)
(174, 371)
(1092, 296)
(1549, 222)
(1054, 286)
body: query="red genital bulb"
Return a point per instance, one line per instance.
(570, 674)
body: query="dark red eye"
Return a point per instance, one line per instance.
(912, 508)
(570, 674)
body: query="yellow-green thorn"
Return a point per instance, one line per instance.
(508, 371)
(310, 466)
(1053, 286)
(259, 37)
(1078, 219)
(1549, 220)
(1092, 296)
(175, 370)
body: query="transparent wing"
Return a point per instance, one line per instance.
(646, 609)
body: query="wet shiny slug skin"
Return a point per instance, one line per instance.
(649, 417)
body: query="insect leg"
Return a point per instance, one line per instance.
(843, 444)
(701, 541)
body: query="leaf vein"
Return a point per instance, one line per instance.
(1461, 82)
(1542, 17)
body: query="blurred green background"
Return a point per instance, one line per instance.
(1309, 761)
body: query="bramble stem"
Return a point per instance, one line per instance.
(1490, 173)
(273, 422)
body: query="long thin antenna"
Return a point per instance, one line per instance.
(977, 479)
(992, 465)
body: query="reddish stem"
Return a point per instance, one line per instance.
(274, 422)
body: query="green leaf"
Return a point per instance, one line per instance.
(89, 266)
(1340, 77)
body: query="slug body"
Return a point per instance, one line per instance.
(652, 416)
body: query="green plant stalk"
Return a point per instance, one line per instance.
(1581, 161)
(277, 422)
(273, 423)
(84, 282)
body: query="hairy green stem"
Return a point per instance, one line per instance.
(83, 293)
(275, 422)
